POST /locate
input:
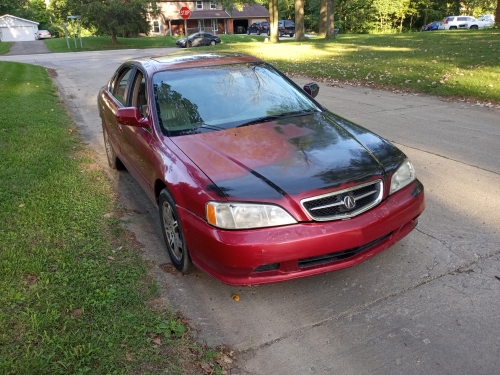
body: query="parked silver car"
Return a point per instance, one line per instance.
(43, 34)
(462, 22)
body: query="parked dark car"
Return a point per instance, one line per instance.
(199, 39)
(258, 28)
(431, 27)
(285, 27)
(255, 182)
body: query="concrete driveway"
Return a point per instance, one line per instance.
(428, 305)
(28, 48)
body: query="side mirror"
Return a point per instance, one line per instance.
(131, 116)
(312, 89)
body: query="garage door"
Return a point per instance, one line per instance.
(17, 33)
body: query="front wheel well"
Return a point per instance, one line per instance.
(159, 186)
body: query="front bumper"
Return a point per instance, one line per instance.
(260, 256)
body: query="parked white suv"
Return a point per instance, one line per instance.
(462, 22)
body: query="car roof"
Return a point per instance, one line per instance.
(190, 59)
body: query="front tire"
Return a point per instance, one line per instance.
(113, 160)
(248, 32)
(291, 35)
(212, 43)
(173, 233)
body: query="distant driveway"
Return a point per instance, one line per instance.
(428, 305)
(28, 48)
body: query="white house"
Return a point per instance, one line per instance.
(15, 29)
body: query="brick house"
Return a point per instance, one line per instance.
(206, 16)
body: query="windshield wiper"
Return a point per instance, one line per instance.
(280, 116)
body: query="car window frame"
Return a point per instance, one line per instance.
(116, 77)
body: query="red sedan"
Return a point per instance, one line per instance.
(254, 180)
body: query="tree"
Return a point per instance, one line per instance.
(299, 20)
(330, 19)
(273, 21)
(111, 17)
(497, 14)
(13, 7)
(323, 12)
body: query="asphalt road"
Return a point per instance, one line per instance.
(428, 305)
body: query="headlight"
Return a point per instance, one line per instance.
(246, 215)
(403, 176)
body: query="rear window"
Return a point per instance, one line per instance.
(462, 18)
(449, 19)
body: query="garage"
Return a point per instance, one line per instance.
(15, 29)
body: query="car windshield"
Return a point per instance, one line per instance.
(195, 100)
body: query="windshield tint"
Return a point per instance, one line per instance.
(204, 99)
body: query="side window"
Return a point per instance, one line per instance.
(139, 94)
(120, 85)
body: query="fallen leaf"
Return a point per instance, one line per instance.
(21, 205)
(129, 357)
(236, 297)
(157, 341)
(77, 313)
(205, 366)
(110, 257)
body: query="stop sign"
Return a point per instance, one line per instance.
(185, 12)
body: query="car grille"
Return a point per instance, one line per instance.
(339, 255)
(345, 203)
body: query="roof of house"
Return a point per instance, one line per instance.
(248, 11)
(18, 18)
(212, 13)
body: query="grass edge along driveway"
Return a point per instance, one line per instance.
(74, 294)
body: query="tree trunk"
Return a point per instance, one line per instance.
(401, 25)
(322, 18)
(497, 14)
(299, 20)
(273, 21)
(330, 23)
(114, 39)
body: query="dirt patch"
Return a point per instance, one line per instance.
(52, 73)
(169, 268)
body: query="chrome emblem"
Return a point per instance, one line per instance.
(349, 202)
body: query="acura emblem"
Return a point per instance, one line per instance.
(349, 202)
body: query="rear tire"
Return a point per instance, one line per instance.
(291, 35)
(173, 233)
(258, 32)
(453, 27)
(248, 32)
(474, 27)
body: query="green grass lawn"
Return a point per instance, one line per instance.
(98, 43)
(74, 294)
(4, 47)
(463, 63)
